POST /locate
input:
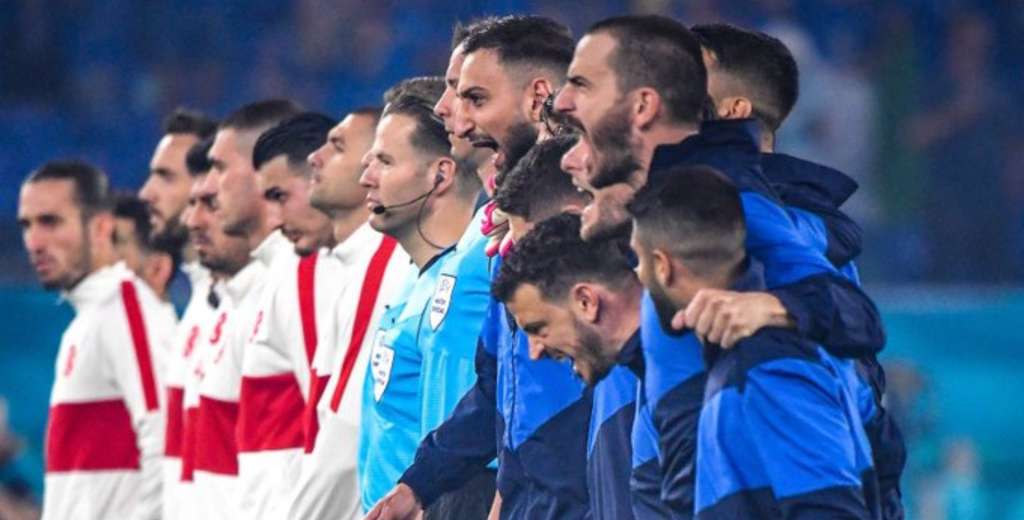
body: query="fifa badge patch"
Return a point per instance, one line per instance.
(382, 358)
(442, 300)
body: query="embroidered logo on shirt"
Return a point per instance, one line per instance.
(382, 358)
(442, 300)
(69, 362)
(256, 327)
(218, 328)
(190, 343)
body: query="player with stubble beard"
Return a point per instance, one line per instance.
(105, 425)
(637, 88)
(241, 211)
(203, 324)
(461, 447)
(166, 191)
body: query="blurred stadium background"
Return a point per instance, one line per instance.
(919, 100)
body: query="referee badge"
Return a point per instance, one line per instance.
(382, 358)
(442, 300)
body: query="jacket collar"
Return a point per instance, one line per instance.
(358, 242)
(272, 247)
(729, 146)
(793, 176)
(97, 286)
(239, 286)
(631, 355)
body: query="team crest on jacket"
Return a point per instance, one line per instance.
(442, 300)
(382, 358)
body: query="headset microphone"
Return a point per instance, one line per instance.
(382, 209)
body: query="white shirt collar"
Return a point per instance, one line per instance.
(238, 286)
(362, 238)
(271, 247)
(97, 285)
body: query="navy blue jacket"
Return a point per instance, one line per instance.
(544, 411)
(781, 433)
(781, 436)
(813, 194)
(609, 445)
(614, 464)
(646, 477)
(826, 307)
(532, 414)
(673, 390)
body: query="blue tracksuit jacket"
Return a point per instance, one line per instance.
(826, 307)
(532, 414)
(780, 432)
(813, 194)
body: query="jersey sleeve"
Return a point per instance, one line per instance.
(806, 440)
(833, 311)
(826, 308)
(136, 360)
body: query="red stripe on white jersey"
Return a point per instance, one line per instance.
(267, 416)
(307, 303)
(215, 447)
(140, 341)
(310, 423)
(188, 449)
(175, 421)
(364, 311)
(95, 435)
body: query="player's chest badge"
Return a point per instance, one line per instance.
(442, 300)
(382, 358)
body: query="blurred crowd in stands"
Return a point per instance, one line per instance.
(914, 98)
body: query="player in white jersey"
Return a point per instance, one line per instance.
(275, 368)
(365, 270)
(222, 257)
(105, 430)
(166, 195)
(238, 211)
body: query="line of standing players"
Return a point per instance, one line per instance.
(563, 280)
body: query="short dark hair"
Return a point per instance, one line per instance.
(694, 213)
(525, 40)
(197, 160)
(129, 206)
(189, 122)
(295, 138)
(461, 31)
(766, 70)
(660, 53)
(91, 187)
(427, 88)
(260, 115)
(429, 136)
(537, 180)
(553, 257)
(373, 111)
